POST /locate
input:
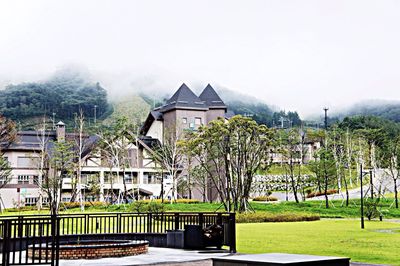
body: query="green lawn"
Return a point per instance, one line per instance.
(378, 243)
(308, 207)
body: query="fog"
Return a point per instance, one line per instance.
(298, 55)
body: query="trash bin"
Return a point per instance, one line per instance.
(194, 237)
(175, 238)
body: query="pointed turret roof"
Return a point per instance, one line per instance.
(184, 98)
(211, 98)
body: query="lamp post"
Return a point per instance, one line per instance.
(362, 195)
(95, 107)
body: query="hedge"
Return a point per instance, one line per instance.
(265, 198)
(263, 217)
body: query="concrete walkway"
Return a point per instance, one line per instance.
(164, 257)
(155, 256)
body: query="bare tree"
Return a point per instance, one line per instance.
(170, 156)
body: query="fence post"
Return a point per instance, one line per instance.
(201, 220)
(219, 218)
(119, 223)
(53, 222)
(57, 239)
(149, 222)
(176, 221)
(232, 233)
(6, 241)
(86, 223)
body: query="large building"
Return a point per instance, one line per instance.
(183, 111)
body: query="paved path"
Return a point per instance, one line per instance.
(164, 257)
(155, 256)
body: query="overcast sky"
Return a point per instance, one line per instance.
(300, 55)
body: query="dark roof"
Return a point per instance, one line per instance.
(211, 98)
(157, 115)
(150, 142)
(183, 98)
(153, 115)
(31, 141)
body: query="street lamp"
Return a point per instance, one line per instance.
(362, 174)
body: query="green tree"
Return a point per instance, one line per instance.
(324, 168)
(231, 152)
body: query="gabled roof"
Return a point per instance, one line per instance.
(184, 98)
(211, 98)
(153, 115)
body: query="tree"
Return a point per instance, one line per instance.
(292, 152)
(59, 165)
(338, 143)
(115, 143)
(324, 168)
(231, 152)
(170, 156)
(8, 134)
(80, 146)
(392, 163)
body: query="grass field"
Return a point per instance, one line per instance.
(378, 243)
(308, 207)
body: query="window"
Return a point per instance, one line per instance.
(31, 201)
(128, 179)
(184, 120)
(66, 199)
(27, 162)
(35, 180)
(23, 179)
(197, 121)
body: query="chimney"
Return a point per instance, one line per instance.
(60, 131)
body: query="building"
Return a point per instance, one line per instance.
(142, 178)
(183, 111)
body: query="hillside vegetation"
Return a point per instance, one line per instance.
(64, 95)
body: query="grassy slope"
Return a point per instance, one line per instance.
(133, 107)
(327, 237)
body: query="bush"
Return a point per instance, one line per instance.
(155, 207)
(265, 198)
(317, 193)
(263, 217)
(24, 208)
(87, 204)
(185, 201)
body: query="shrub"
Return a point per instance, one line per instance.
(87, 204)
(317, 193)
(155, 207)
(265, 198)
(263, 217)
(24, 208)
(186, 201)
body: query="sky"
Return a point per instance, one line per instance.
(297, 55)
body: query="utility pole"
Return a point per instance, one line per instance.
(95, 107)
(54, 121)
(362, 197)
(326, 118)
(371, 184)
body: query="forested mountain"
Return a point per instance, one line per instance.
(63, 95)
(69, 91)
(385, 109)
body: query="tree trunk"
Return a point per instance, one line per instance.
(395, 193)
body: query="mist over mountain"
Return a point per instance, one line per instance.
(61, 96)
(74, 87)
(381, 108)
